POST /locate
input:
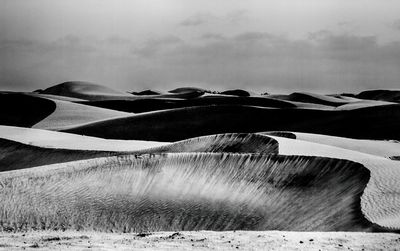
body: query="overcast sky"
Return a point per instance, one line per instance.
(261, 45)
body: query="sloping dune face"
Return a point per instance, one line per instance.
(380, 202)
(69, 114)
(385, 95)
(27, 148)
(380, 122)
(187, 192)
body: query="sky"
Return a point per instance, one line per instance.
(278, 46)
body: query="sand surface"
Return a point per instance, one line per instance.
(192, 159)
(200, 240)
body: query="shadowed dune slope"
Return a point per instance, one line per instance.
(16, 155)
(236, 92)
(23, 110)
(314, 98)
(187, 192)
(154, 104)
(384, 95)
(380, 201)
(84, 90)
(380, 122)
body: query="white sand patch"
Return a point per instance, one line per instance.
(375, 147)
(51, 139)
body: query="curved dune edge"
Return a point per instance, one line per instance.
(383, 148)
(68, 114)
(61, 140)
(84, 90)
(379, 202)
(15, 155)
(187, 191)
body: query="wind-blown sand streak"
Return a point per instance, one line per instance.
(187, 192)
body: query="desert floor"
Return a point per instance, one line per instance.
(200, 240)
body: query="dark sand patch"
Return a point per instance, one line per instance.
(381, 122)
(22, 110)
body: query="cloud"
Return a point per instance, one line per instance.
(231, 18)
(237, 16)
(253, 36)
(260, 61)
(396, 24)
(198, 19)
(153, 46)
(212, 36)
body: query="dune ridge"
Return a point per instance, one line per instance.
(84, 90)
(16, 153)
(187, 191)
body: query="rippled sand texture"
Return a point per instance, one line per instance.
(187, 191)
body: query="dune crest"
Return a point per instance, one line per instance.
(84, 90)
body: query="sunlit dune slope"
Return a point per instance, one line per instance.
(375, 147)
(67, 114)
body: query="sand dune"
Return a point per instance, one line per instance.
(237, 92)
(84, 90)
(314, 98)
(154, 104)
(381, 122)
(69, 114)
(384, 95)
(24, 148)
(187, 192)
(194, 159)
